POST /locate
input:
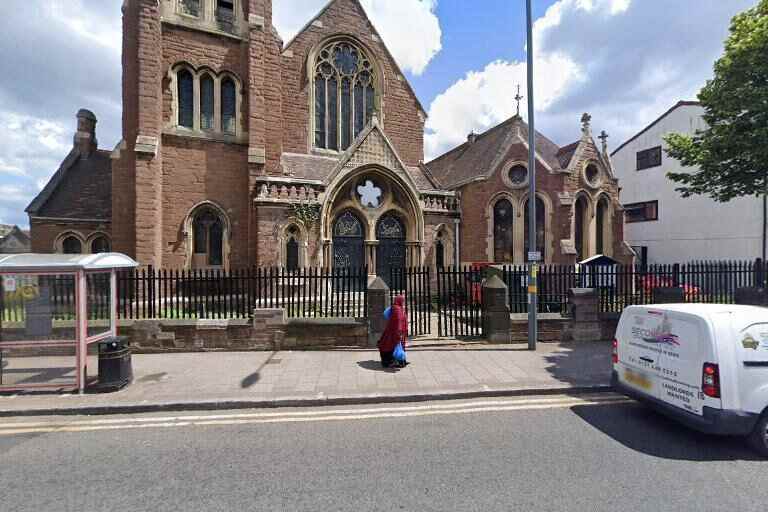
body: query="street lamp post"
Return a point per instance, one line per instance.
(532, 257)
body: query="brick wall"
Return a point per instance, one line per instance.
(196, 171)
(45, 232)
(269, 330)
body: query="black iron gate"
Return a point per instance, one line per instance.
(460, 302)
(415, 285)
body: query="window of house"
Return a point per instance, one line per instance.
(503, 218)
(540, 228)
(641, 212)
(344, 95)
(186, 97)
(206, 102)
(208, 238)
(228, 106)
(649, 158)
(100, 244)
(71, 245)
(190, 7)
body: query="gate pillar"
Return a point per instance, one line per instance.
(496, 321)
(378, 301)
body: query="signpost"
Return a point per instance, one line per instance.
(533, 265)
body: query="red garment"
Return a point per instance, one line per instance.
(397, 327)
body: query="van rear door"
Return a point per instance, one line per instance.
(638, 365)
(668, 348)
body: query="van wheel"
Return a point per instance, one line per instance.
(758, 439)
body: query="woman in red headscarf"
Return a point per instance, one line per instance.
(395, 332)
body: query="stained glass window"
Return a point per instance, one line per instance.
(206, 103)
(503, 218)
(602, 211)
(186, 98)
(344, 95)
(228, 106)
(580, 227)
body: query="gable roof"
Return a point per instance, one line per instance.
(380, 41)
(657, 121)
(479, 159)
(80, 189)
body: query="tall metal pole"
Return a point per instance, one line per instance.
(532, 245)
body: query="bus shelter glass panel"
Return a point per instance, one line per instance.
(38, 308)
(98, 303)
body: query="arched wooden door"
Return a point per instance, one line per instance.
(390, 253)
(348, 242)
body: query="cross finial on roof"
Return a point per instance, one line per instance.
(518, 98)
(586, 119)
(604, 139)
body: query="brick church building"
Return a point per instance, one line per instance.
(241, 149)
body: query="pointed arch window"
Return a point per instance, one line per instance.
(345, 94)
(581, 229)
(186, 98)
(99, 245)
(603, 236)
(503, 218)
(206, 102)
(292, 249)
(541, 232)
(208, 239)
(228, 105)
(71, 245)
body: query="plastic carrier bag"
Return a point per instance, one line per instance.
(399, 353)
(388, 313)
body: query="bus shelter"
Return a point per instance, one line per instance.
(53, 309)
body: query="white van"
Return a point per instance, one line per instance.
(705, 365)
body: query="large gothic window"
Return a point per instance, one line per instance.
(208, 239)
(292, 249)
(186, 96)
(344, 95)
(503, 217)
(540, 228)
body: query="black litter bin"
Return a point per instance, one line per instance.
(115, 368)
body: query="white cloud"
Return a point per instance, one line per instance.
(410, 28)
(624, 61)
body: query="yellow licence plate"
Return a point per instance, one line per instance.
(637, 379)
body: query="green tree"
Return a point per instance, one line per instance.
(732, 153)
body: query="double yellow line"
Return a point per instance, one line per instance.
(325, 414)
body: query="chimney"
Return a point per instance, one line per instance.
(472, 137)
(85, 137)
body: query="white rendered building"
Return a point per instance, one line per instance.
(664, 227)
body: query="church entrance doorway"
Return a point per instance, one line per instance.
(391, 252)
(348, 242)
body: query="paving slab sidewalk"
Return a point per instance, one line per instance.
(228, 380)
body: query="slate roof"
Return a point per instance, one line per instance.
(80, 189)
(481, 157)
(566, 154)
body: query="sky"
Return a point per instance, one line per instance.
(623, 61)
